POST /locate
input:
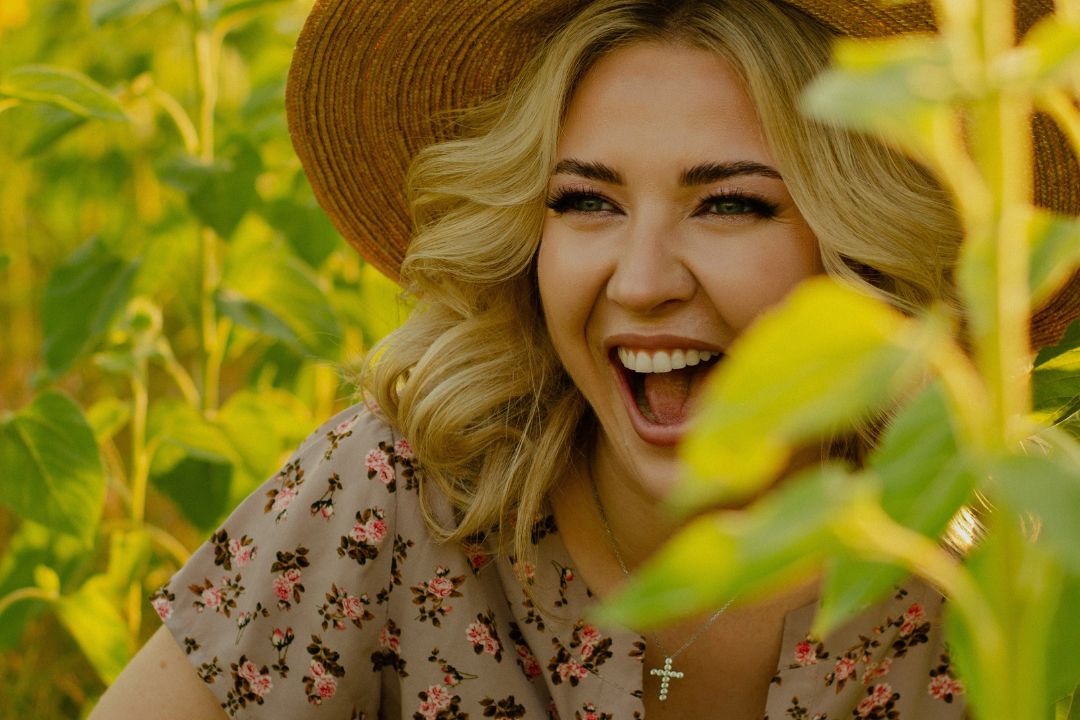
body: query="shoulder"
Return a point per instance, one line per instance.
(305, 560)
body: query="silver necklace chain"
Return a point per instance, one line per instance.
(666, 674)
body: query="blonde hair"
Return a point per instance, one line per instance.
(471, 377)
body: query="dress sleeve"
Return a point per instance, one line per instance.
(280, 610)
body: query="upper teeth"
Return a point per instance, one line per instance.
(662, 361)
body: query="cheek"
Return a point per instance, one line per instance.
(570, 282)
(754, 277)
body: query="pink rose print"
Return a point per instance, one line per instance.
(477, 633)
(248, 671)
(325, 686)
(804, 653)
(163, 607)
(283, 499)
(359, 533)
(352, 606)
(261, 685)
(845, 668)
(378, 465)
(878, 697)
(439, 696)
(241, 554)
(388, 640)
(282, 587)
(403, 449)
(211, 598)
(292, 576)
(345, 426)
(450, 680)
(440, 587)
(943, 687)
(280, 638)
(915, 613)
(873, 672)
(376, 530)
(326, 511)
(571, 669)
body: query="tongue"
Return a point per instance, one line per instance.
(667, 394)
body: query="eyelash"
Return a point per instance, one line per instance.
(563, 200)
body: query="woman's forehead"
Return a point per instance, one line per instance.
(661, 100)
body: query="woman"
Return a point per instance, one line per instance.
(584, 252)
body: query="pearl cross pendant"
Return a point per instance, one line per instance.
(665, 675)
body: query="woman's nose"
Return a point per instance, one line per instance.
(649, 272)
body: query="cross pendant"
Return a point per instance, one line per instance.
(665, 674)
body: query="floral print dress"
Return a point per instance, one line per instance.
(324, 596)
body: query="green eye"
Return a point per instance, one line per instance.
(589, 203)
(730, 206)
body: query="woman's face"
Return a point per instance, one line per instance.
(669, 230)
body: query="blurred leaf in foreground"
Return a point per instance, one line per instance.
(778, 540)
(924, 483)
(790, 379)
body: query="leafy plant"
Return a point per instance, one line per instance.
(988, 431)
(188, 314)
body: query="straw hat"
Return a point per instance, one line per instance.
(370, 78)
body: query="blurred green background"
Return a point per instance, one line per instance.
(175, 313)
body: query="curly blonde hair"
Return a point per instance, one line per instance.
(471, 378)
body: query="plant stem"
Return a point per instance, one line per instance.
(26, 593)
(206, 82)
(140, 470)
(872, 532)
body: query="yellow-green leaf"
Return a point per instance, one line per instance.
(746, 553)
(823, 359)
(91, 617)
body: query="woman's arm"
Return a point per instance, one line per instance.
(158, 683)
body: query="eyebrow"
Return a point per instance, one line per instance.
(702, 174)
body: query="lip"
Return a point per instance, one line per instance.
(650, 432)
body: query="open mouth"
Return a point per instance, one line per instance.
(660, 387)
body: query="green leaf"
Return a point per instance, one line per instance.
(1063, 661)
(1055, 253)
(91, 617)
(304, 226)
(67, 89)
(924, 483)
(1055, 380)
(894, 88)
(1049, 488)
(33, 546)
(193, 461)
(792, 378)
(219, 193)
(82, 296)
(50, 469)
(268, 289)
(5, 259)
(263, 427)
(107, 416)
(745, 553)
(106, 11)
